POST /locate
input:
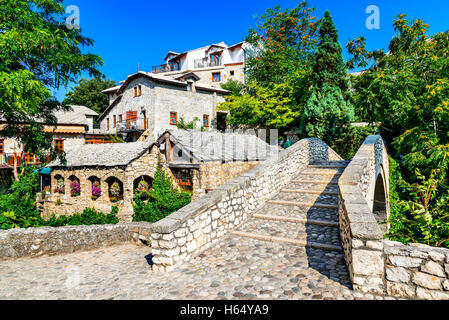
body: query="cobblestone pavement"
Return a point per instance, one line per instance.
(234, 269)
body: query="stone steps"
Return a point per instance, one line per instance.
(295, 242)
(325, 193)
(304, 213)
(325, 223)
(304, 204)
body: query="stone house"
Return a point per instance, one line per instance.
(202, 161)
(195, 161)
(213, 64)
(72, 128)
(122, 164)
(149, 104)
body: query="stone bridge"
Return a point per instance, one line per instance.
(305, 211)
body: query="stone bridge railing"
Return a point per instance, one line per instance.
(378, 266)
(361, 235)
(196, 227)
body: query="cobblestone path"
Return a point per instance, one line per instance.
(289, 249)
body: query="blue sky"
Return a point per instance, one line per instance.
(141, 32)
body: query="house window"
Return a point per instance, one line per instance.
(59, 145)
(140, 90)
(216, 77)
(206, 121)
(173, 118)
(120, 118)
(2, 146)
(107, 124)
(190, 87)
(183, 178)
(115, 121)
(232, 73)
(135, 92)
(145, 124)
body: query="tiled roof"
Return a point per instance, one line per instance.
(103, 155)
(217, 146)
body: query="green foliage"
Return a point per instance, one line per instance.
(424, 217)
(187, 125)
(38, 54)
(87, 218)
(281, 45)
(115, 138)
(88, 93)
(163, 200)
(407, 90)
(234, 86)
(328, 114)
(279, 67)
(265, 107)
(18, 208)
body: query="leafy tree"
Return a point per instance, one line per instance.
(38, 53)
(282, 44)
(163, 200)
(88, 93)
(234, 86)
(328, 115)
(407, 90)
(279, 67)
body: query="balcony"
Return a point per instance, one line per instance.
(133, 125)
(7, 160)
(206, 63)
(166, 68)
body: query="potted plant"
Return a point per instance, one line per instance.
(115, 191)
(75, 189)
(143, 190)
(60, 187)
(96, 190)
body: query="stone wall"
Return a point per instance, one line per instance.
(215, 173)
(35, 242)
(361, 234)
(196, 227)
(416, 271)
(65, 204)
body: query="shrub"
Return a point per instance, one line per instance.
(163, 200)
(87, 218)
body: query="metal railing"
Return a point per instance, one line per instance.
(133, 125)
(166, 68)
(7, 159)
(205, 63)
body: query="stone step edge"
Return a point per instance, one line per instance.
(321, 173)
(314, 182)
(324, 223)
(299, 243)
(330, 166)
(303, 204)
(324, 193)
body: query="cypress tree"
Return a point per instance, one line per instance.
(328, 113)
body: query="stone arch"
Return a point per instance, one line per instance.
(137, 181)
(59, 184)
(95, 187)
(74, 186)
(380, 201)
(112, 183)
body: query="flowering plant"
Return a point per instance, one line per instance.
(75, 189)
(143, 189)
(60, 186)
(96, 190)
(115, 190)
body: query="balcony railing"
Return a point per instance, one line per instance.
(7, 160)
(205, 63)
(166, 68)
(134, 125)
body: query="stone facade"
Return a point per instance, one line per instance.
(65, 204)
(213, 174)
(361, 234)
(35, 242)
(157, 101)
(416, 271)
(194, 228)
